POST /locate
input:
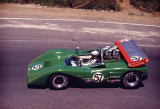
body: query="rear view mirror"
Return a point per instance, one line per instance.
(80, 62)
(76, 51)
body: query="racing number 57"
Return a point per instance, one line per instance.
(98, 77)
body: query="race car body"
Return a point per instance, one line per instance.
(123, 63)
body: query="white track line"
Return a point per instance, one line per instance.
(80, 21)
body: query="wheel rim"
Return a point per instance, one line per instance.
(132, 79)
(60, 81)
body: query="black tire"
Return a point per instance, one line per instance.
(58, 82)
(131, 80)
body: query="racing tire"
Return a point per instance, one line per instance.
(58, 82)
(131, 80)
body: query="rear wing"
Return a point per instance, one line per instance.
(132, 53)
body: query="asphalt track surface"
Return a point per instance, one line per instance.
(22, 40)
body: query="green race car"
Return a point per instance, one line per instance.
(124, 63)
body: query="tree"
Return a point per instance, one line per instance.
(115, 5)
(79, 3)
(27, 1)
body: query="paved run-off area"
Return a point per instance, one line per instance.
(129, 14)
(21, 40)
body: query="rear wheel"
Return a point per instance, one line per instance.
(131, 80)
(58, 82)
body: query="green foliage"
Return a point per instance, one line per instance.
(6, 1)
(1, 1)
(102, 5)
(146, 5)
(14, 1)
(119, 8)
(84, 4)
(64, 3)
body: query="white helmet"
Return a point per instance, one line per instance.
(95, 53)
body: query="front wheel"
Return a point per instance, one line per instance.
(58, 82)
(131, 80)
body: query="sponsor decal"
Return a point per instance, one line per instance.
(136, 58)
(88, 80)
(96, 71)
(59, 57)
(98, 77)
(37, 67)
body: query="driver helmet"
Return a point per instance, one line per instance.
(95, 53)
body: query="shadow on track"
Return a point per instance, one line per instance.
(78, 83)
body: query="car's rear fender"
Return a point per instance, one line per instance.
(142, 71)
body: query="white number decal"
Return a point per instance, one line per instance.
(98, 77)
(37, 67)
(136, 58)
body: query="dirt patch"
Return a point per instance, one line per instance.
(128, 14)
